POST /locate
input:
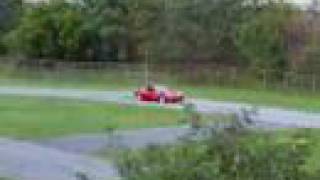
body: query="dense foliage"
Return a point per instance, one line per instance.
(223, 156)
(238, 32)
(263, 39)
(9, 13)
(63, 31)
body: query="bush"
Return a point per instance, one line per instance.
(225, 156)
(262, 39)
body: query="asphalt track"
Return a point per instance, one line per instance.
(28, 161)
(265, 116)
(63, 158)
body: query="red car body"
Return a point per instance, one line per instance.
(159, 95)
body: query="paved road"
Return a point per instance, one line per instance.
(265, 117)
(27, 161)
(128, 139)
(62, 158)
(268, 117)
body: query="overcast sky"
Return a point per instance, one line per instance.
(303, 3)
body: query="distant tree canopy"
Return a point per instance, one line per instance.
(199, 30)
(262, 40)
(218, 31)
(9, 13)
(112, 29)
(61, 30)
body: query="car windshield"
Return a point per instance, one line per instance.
(161, 88)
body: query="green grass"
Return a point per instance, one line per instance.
(309, 136)
(101, 84)
(122, 81)
(313, 164)
(305, 136)
(286, 99)
(41, 118)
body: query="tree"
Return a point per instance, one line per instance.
(216, 31)
(262, 39)
(49, 30)
(104, 26)
(9, 13)
(81, 30)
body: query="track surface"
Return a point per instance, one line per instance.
(63, 158)
(268, 117)
(27, 161)
(128, 139)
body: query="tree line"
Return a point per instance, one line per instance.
(250, 33)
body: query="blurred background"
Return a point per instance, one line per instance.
(236, 43)
(254, 63)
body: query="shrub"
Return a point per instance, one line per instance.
(226, 155)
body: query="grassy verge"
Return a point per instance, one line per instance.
(287, 153)
(308, 136)
(110, 84)
(40, 117)
(288, 99)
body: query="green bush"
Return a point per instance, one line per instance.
(262, 39)
(224, 156)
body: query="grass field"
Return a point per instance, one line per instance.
(41, 118)
(287, 99)
(114, 80)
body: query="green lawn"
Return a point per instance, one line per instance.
(288, 99)
(41, 118)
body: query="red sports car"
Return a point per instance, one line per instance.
(159, 95)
